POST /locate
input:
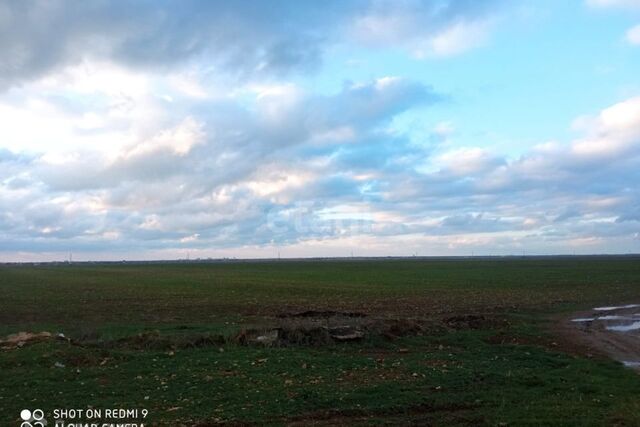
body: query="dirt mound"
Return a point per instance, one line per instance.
(154, 340)
(295, 336)
(21, 339)
(314, 333)
(397, 328)
(320, 314)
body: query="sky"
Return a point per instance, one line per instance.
(172, 129)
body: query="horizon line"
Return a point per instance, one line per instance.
(318, 258)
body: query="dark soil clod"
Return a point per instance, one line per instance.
(320, 314)
(471, 321)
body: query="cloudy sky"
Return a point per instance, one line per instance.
(166, 129)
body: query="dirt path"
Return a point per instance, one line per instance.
(610, 331)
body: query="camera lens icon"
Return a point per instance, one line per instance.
(32, 419)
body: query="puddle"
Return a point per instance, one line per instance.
(618, 319)
(620, 307)
(614, 330)
(608, 317)
(624, 328)
(614, 317)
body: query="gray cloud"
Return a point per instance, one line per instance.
(246, 38)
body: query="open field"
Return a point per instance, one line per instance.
(437, 341)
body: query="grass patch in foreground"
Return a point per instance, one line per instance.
(459, 377)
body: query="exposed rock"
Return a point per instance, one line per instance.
(345, 333)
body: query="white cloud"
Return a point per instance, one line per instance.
(179, 139)
(467, 161)
(458, 38)
(615, 131)
(633, 35)
(189, 239)
(614, 3)
(424, 29)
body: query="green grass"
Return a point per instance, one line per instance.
(444, 377)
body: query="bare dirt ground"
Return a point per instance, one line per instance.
(612, 331)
